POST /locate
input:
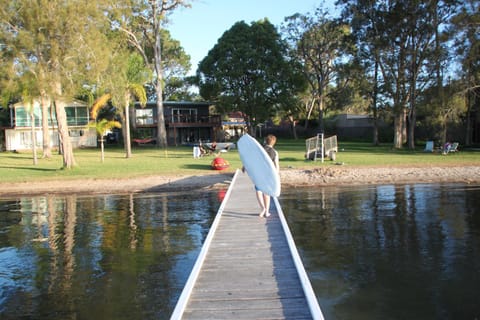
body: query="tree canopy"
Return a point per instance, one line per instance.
(56, 45)
(248, 70)
(143, 22)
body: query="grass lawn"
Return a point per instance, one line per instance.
(18, 167)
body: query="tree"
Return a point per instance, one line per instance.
(319, 42)
(143, 22)
(23, 86)
(467, 48)
(248, 71)
(61, 56)
(123, 81)
(101, 127)
(127, 82)
(438, 118)
(400, 35)
(175, 65)
(364, 17)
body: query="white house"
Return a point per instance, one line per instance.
(19, 135)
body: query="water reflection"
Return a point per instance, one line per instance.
(100, 257)
(374, 252)
(396, 252)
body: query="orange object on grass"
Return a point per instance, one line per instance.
(220, 164)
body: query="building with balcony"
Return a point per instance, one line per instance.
(18, 135)
(186, 122)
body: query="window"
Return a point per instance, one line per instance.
(144, 116)
(76, 115)
(23, 118)
(184, 115)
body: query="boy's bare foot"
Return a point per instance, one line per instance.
(267, 214)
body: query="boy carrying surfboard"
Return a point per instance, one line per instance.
(263, 198)
(262, 167)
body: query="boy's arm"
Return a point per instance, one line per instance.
(277, 163)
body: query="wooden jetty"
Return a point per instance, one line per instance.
(248, 267)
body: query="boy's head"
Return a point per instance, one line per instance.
(270, 139)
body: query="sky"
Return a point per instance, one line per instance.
(199, 27)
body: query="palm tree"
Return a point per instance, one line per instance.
(128, 84)
(102, 127)
(126, 76)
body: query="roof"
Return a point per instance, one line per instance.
(72, 102)
(181, 103)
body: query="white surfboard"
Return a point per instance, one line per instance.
(259, 166)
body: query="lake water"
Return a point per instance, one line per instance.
(374, 252)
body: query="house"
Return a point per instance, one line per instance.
(355, 125)
(186, 122)
(234, 125)
(18, 135)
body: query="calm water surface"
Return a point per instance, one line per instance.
(390, 252)
(99, 257)
(375, 252)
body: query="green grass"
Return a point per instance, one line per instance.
(18, 167)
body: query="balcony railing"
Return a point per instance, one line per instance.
(183, 120)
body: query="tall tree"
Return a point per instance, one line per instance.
(364, 18)
(320, 42)
(59, 43)
(175, 65)
(400, 35)
(143, 22)
(466, 23)
(248, 70)
(129, 76)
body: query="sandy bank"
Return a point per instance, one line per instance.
(323, 176)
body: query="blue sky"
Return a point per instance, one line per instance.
(198, 28)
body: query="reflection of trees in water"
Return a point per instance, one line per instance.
(132, 225)
(69, 237)
(378, 244)
(106, 256)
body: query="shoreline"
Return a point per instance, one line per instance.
(316, 177)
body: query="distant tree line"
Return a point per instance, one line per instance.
(399, 61)
(56, 50)
(414, 63)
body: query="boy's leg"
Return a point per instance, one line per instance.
(266, 202)
(261, 202)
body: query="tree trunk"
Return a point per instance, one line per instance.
(398, 127)
(34, 137)
(468, 124)
(411, 128)
(66, 145)
(310, 106)
(47, 150)
(412, 114)
(444, 129)
(376, 140)
(294, 127)
(128, 145)
(320, 116)
(161, 130)
(102, 149)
